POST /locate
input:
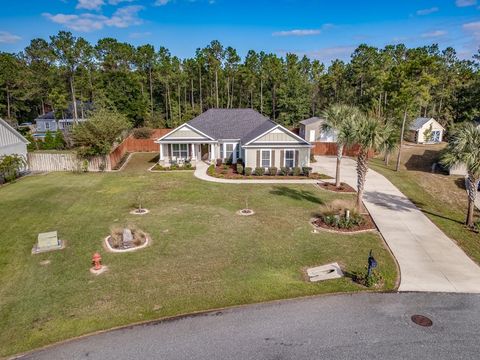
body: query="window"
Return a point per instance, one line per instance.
(229, 151)
(180, 151)
(47, 125)
(289, 158)
(266, 158)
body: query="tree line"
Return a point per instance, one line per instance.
(152, 87)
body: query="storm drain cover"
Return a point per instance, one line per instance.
(422, 320)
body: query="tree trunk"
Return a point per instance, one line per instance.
(9, 109)
(191, 94)
(179, 104)
(399, 156)
(216, 88)
(200, 89)
(43, 106)
(231, 93)
(387, 158)
(151, 88)
(228, 92)
(472, 194)
(261, 96)
(74, 100)
(362, 168)
(273, 102)
(339, 161)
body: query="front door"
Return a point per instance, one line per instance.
(204, 151)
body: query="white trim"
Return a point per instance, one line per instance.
(13, 131)
(284, 129)
(182, 126)
(260, 146)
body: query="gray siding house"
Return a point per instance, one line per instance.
(311, 130)
(48, 121)
(232, 134)
(11, 141)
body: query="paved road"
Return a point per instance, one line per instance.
(428, 259)
(359, 326)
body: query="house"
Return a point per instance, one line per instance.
(11, 141)
(49, 122)
(425, 131)
(232, 134)
(311, 130)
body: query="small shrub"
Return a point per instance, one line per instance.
(173, 167)
(211, 170)
(142, 133)
(340, 221)
(284, 170)
(188, 166)
(248, 171)
(307, 171)
(85, 165)
(272, 171)
(259, 171)
(240, 161)
(228, 161)
(312, 158)
(297, 171)
(239, 168)
(219, 162)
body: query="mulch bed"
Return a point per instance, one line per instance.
(231, 173)
(344, 188)
(367, 225)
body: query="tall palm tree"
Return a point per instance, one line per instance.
(370, 134)
(338, 119)
(464, 148)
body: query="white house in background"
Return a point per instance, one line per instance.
(11, 141)
(425, 131)
(311, 130)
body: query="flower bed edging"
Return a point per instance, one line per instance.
(111, 249)
(353, 232)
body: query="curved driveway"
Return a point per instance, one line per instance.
(358, 326)
(428, 259)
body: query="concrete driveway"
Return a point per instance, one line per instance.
(428, 259)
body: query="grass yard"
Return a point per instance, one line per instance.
(441, 197)
(202, 256)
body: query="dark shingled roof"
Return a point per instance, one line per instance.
(311, 120)
(243, 124)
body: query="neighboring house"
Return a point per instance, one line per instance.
(311, 130)
(48, 121)
(425, 131)
(11, 141)
(232, 134)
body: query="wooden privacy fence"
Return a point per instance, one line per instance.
(38, 161)
(330, 148)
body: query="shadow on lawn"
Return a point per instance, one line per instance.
(296, 194)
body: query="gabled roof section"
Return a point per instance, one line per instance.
(190, 133)
(279, 129)
(420, 122)
(312, 120)
(231, 123)
(14, 132)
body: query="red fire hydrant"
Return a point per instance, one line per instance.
(97, 261)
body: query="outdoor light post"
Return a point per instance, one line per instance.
(372, 263)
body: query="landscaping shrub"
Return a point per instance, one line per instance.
(10, 167)
(211, 170)
(248, 171)
(272, 171)
(239, 168)
(312, 158)
(334, 214)
(240, 161)
(307, 171)
(297, 171)
(284, 170)
(219, 162)
(228, 161)
(259, 171)
(142, 133)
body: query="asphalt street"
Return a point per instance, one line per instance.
(352, 326)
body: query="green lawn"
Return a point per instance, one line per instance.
(441, 197)
(202, 256)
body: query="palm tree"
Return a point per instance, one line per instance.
(370, 134)
(338, 118)
(464, 148)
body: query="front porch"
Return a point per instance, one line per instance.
(180, 153)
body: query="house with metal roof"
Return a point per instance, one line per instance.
(311, 130)
(11, 141)
(233, 134)
(425, 130)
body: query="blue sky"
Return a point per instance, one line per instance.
(321, 29)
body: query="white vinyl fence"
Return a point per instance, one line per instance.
(38, 161)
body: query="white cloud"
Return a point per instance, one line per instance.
(464, 3)
(325, 54)
(473, 28)
(297, 32)
(161, 2)
(121, 18)
(434, 34)
(116, 2)
(427, 11)
(90, 4)
(139, 35)
(8, 38)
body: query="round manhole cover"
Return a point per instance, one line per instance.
(422, 320)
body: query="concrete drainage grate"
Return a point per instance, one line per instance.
(422, 320)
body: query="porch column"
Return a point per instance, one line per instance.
(193, 151)
(212, 151)
(161, 152)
